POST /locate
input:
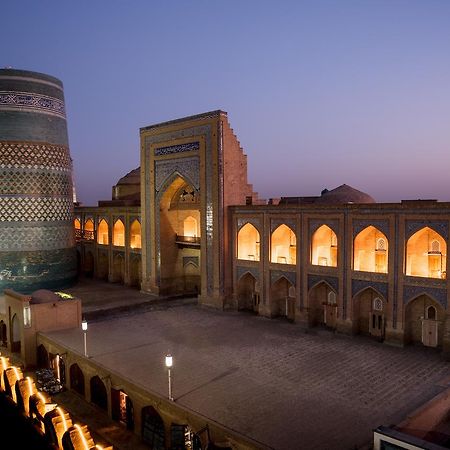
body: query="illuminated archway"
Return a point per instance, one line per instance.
(119, 234)
(426, 253)
(102, 232)
(248, 243)
(190, 227)
(77, 226)
(324, 247)
(283, 246)
(370, 253)
(89, 230)
(135, 234)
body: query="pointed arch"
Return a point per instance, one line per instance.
(190, 227)
(369, 307)
(426, 254)
(135, 234)
(283, 245)
(119, 233)
(419, 326)
(88, 231)
(248, 243)
(103, 232)
(280, 302)
(370, 251)
(246, 288)
(322, 311)
(77, 223)
(324, 246)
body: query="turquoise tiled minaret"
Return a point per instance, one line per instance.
(37, 248)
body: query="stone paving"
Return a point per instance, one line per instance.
(267, 379)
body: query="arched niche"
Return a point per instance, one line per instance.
(283, 246)
(119, 234)
(370, 251)
(135, 234)
(426, 252)
(324, 247)
(103, 232)
(248, 243)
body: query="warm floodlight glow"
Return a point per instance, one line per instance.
(63, 418)
(80, 432)
(248, 243)
(30, 386)
(169, 361)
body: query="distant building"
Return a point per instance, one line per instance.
(188, 221)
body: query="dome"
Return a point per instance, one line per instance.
(133, 177)
(44, 296)
(344, 194)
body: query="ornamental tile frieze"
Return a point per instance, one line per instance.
(34, 182)
(241, 271)
(34, 156)
(21, 238)
(313, 280)
(359, 225)
(188, 168)
(12, 100)
(172, 149)
(411, 292)
(314, 224)
(275, 275)
(256, 222)
(441, 227)
(360, 285)
(275, 223)
(35, 209)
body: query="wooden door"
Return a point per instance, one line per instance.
(376, 324)
(429, 333)
(330, 315)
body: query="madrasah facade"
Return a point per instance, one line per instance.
(188, 222)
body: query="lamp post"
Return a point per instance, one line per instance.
(84, 328)
(169, 363)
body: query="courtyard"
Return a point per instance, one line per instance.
(266, 379)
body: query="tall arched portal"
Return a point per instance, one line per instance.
(192, 169)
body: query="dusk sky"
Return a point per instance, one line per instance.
(319, 93)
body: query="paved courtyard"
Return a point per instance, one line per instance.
(265, 378)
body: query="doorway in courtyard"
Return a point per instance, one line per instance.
(153, 432)
(424, 318)
(122, 408)
(248, 293)
(322, 303)
(282, 299)
(369, 309)
(180, 238)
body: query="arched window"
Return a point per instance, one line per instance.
(102, 232)
(431, 313)
(248, 243)
(119, 234)
(135, 234)
(324, 247)
(370, 251)
(331, 298)
(190, 227)
(377, 304)
(89, 230)
(291, 292)
(426, 254)
(77, 224)
(283, 245)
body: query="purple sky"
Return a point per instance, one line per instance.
(319, 93)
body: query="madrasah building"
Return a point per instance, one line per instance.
(188, 222)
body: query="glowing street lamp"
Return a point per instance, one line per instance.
(169, 364)
(84, 327)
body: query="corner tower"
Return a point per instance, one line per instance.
(36, 205)
(192, 169)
